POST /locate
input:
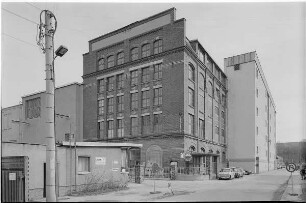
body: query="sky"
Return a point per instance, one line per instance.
(276, 31)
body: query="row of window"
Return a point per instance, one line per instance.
(134, 55)
(145, 126)
(202, 127)
(191, 76)
(145, 101)
(145, 78)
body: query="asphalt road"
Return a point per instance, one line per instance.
(267, 186)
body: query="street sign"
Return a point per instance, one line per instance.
(291, 167)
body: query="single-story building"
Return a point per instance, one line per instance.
(78, 165)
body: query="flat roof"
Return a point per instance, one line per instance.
(102, 144)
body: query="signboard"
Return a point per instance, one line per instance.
(12, 176)
(188, 157)
(291, 167)
(100, 160)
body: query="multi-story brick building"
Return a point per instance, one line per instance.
(251, 115)
(147, 83)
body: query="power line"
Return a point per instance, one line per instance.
(34, 6)
(19, 16)
(18, 39)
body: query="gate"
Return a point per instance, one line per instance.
(13, 179)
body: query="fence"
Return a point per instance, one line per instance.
(147, 173)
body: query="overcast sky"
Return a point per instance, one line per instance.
(275, 30)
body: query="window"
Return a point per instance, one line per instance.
(157, 123)
(257, 93)
(120, 58)
(134, 126)
(256, 130)
(256, 111)
(217, 95)
(83, 164)
(101, 86)
(257, 150)
(209, 64)
(236, 67)
(120, 106)
(158, 46)
(145, 50)
(201, 56)
(110, 61)
(145, 77)
(201, 128)
(101, 64)
(101, 129)
(134, 78)
(33, 108)
(110, 83)
(201, 82)
(120, 81)
(120, 131)
(216, 130)
(222, 133)
(191, 124)
(145, 124)
(222, 115)
(157, 71)
(191, 97)
(134, 101)
(110, 107)
(210, 89)
(110, 129)
(101, 106)
(134, 54)
(145, 99)
(158, 96)
(217, 112)
(223, 100)
(191, 72)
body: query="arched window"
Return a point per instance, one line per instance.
(158, 46)
(201, 81)
(110, 61)
(134, 54)
(120, 58)
(101, 64)
(210, 89)
(192, 148)
(145, 50)
(154, 154)
(191, 72)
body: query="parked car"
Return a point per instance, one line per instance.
(226, 173)
(235, 171)
(240, 172)
(246, 172)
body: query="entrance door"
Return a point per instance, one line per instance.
(13, 179)
(44, 192)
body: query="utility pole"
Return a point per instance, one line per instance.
(50, 127)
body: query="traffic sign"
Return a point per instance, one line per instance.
(291, 167)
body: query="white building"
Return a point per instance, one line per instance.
(251, 115)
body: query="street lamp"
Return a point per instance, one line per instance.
(61, 51)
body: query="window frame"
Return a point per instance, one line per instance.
(158, 74)
(145, 99)
(110, 61)
(134, 101)
(158, 96)
(134, 78)
(120, 58)
(110, 105)
(87, 162)
(145, 50)
(157, 46)
(134, 54)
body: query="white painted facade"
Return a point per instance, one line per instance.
(251, 115)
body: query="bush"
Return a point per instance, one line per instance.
(101, 181)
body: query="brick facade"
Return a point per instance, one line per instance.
(177, 54)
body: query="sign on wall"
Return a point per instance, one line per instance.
(100, 160)
(12, 176)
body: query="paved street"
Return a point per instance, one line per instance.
(262, 187)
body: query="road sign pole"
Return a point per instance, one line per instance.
(291, 183)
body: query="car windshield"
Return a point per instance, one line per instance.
(226, 170)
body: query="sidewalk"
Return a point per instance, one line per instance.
(298, 190)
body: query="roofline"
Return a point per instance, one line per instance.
(16, 105)
(134, 24)
(65, 85)
(102, 144)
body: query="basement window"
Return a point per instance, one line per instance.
(237, 67)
